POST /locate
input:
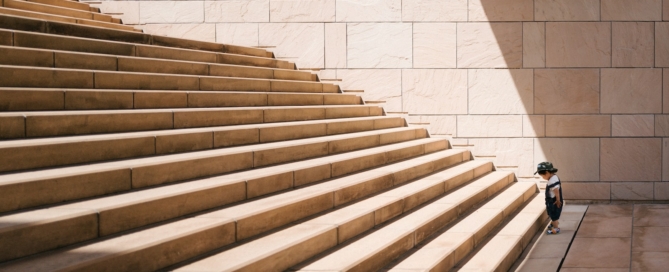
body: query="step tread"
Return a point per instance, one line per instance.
(246, 254)
(463, 234)
(352, 255)
(64, 19)
(64, 11)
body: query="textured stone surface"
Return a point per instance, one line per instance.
(438, 125)
(427, 91)
(599, 252)
(633, 125)
(303, 43)
(130, 10)
(631, 91)
(507, 152)
(369, 11)
(566, 91)
(632, 191)
(650, 239)
(578, 125)
(534, 44)
(578, 44)
(631, 10)
(633, 44)
(490, 126)
(665, 10)
(171, 12)
(534, 125)
(662, 44)
(500, 91)
(566, 10)
(379, 85)
(661, 189)
(335, 45)
(662, 125)
(434, 10)
(490, 45)
(600, 226)
(665, 160)
(650, 261)
(587, 190)
(236, 11)
(501, 10)
(631, 159)
(244, 34)
(665, 91)
(200, 32)
(382, 45)
(561, 152)
(434, 45)
(302, 10)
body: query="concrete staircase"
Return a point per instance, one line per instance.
(126, 151)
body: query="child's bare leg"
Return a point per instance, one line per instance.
(556, 224)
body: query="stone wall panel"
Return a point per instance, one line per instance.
(378, 84)
(302, 43)
(434, 45)
(578, 125)
(585, 190)
(577, 159)
(200, 32)
(237, 34)
(501, 10)
(490, 45)
(236, 11)
(434, 10)
(432, 91)
(130, 10)
(631, 10)
(379, 45)
(566, 10)
(490, 126)
(302, 10)
(566, 91)
(335, 45)
(633, 125)
(632, 191)
(534, 44)
(662, 44)
(633, 44)
(369, 11)
(631, 90)
(507, 153)
(171, 12)
(578, 44)
(631, 159)
(500, 91)
(534, 125)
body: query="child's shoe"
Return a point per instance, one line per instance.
(553, 231)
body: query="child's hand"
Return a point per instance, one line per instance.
(558, 203)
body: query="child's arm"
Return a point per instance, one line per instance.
(558, 203)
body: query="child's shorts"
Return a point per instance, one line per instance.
(552, 210)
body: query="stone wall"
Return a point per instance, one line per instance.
(577, 82)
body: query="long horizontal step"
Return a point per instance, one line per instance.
(507, 245)
(450, 247)
(38, 7)
(86, 45)
(20, 56)
(64, 3)
(50, 152)
(265, 214)
(63, 123)
(107, 36)
(283, 249)
(64, 19)
(30, 189)
(33, 77)
(44, 99)
(372, 252)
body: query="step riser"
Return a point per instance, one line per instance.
(64, 19)
(343, 231)
(65, 4)
(118, 219)
(32, 126)
(76, 186)
(39, 156)
(44, 58)
(53, 42)
(23, 5)
(28, 100)
(73, 30)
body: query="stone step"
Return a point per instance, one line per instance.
(375, 250)
(64, 3)
(251, 218)
(450, 247)
(63, 11)
(16, 125)
(507, 245)
(283, 249)
(33, 77)
(45, 99)
(44, 187)
(87, 45)
(20, 56)
(51, 152)
(106, 35)
(65, 19)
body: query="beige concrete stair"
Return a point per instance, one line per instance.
(121, 150)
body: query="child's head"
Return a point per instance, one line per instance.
(546, 170)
